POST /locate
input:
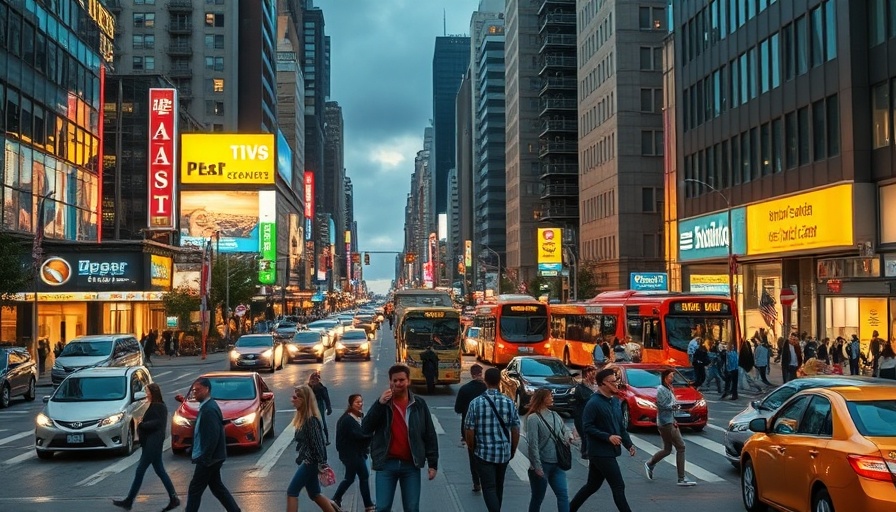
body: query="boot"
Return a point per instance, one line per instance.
(173, 503)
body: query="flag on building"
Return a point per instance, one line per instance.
(205, 285)
(767, 309)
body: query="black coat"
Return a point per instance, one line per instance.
(152, 429)
(350, 439)
(465, 395)
(213, 444)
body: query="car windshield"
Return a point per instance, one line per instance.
(79, 389)
(364, 318)
(354, 335)
(776, 398)
(87, 349)
(640, 378)
(306, 337)
(421, 333)
(230, 388)
(874, 418)
(543, 368)
(255, 341)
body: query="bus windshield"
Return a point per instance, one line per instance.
(421, 333)
(680, 330)
(411, 300)
(523, 329)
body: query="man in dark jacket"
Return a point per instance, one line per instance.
(209, 450)
(430, 362)
(404, 440)
(322, 395)
(791, 357)
(607, 434)
(465, 395)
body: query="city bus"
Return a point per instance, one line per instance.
(661, 324)
(513, 325)
(420, 329)
(420, 297)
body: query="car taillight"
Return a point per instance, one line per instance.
(875, 468)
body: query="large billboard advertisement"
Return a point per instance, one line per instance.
(308, 185)
(91, 271)
(267, 242)
(229, 218)
(284, 159)
(227, 159)
(162, 157)
(550, 250)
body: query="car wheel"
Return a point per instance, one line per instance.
(44, 454)
(5, 396)
(260, 434)
(128, 447)
(750, 489)
(31, 393)
(518, 401)
(822, 502)
(626, 416)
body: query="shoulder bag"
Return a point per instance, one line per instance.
(564, 452)
(500, 419)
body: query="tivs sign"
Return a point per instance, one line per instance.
(162, 158)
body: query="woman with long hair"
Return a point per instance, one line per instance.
(542, 426)
(152, 435)
(666, 405)
(311, 450)
(353, 446)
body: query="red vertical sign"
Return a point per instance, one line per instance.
(309, 194)
(162, 158)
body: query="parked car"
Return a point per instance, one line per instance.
(637, 389)
(18, 375)
(353, 343)
(524, 374)
(825, 449)
(246, 403)
(93, 409)
(309, 346)
(738, 428)
(471, 340)
(257, 351)
(366, 322)
(96, 350)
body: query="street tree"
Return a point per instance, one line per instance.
(242, 271)
(181, 302)
(16, 275)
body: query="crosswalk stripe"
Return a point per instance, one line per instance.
(714, 427)
(693, 469)
(118, 467)
(273, 453)
(709, 444)
(157, 375)
(30, 454)
(437, 425)
(16, 437)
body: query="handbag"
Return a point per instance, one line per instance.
(326, 476)
(564, 452)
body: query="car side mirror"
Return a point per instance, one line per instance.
(758, 425)
(46, 399)
(267, 395)
(179, 398)
(755, 404)
(139, 395)
(514, 375)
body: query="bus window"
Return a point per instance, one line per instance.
(635, 329)
(681, 330)
(608, 326)
(652, 336)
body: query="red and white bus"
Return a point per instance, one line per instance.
(660, 323)
(514, 325)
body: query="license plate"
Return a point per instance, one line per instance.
(524, 349)
(249, 362)
(682, 416)
(74, 438)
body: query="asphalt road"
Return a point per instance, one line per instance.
(258, 479)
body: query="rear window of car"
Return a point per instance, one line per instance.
(874, 418)
(307, 337)
(355, 335)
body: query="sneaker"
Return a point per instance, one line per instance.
(684, 482)
(648, 471)
(122, 504)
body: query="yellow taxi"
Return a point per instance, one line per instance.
(825, 449)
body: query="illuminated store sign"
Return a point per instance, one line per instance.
(162, 157)
(227, 159)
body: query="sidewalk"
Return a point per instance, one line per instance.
(158, 362)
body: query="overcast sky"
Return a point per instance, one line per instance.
(381, 75)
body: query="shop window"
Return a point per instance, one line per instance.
(880, 115)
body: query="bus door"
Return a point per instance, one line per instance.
(652, 340)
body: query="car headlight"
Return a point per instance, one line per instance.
(234, 354)
(529, 389)
(319, 347)
(292, 348)
(647, 404)
(738, 427)
(365, 346)
(43, 420)
(244, 420)
(700, 403)
(340, 346)
(267, 353)
(111, 420)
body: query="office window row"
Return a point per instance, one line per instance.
(595, 38)
(651, 58)
(799, 137)
(214, 42)
(600, 152)
(883, 113)
(598, 114)
(144, 41)
(214, 19)
(586, 14)
(881, 21)
(143, 63)
(652, 143)
(810, 41)
(214, 63)
(144, 19)
(600, 206)
(598, 75)
(715, 21)
(652, 18)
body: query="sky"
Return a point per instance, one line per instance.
(381, 76)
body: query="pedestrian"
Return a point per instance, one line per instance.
(544, 429)
(761, 359)
(151, 431)
(837, 352)
(322, 395)
(700, 361)
(149, 347)
(666, 407)
(746, 364)
(353, 445)
(854, 351)
(168, 343)
(714, 368)
(731, 374)
(887, 366)
(311, 452)
(493, 432)
(791, 357)
(429, 361)
(465, 395)
(810, 349)
(580, 396)
(43, 350)
(597, 355)
(209, 450)
(606, 431)
(874, 348)
(824, 353)
(404, 440)
(695, 342)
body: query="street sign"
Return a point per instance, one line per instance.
(240, 310)
(548, 273)
(788, 297)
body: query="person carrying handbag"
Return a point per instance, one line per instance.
(311, 452)
(549, 453)
(666, 408)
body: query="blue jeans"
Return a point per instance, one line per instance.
(355, 465)
(156, 463)
(396, 471)
(305, 477)
(556, 478)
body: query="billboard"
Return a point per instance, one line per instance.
(160, 271)
(227, 217)
(649, 281)
(550, 249)
(708, 236)
(267, 241)
(162, 156)
(296, 244)
(284, 159)
(91, 271)
(227, 159)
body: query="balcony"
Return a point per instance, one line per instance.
(554, 5)
(552, 168)
(557, 41)
(180, 50)
(568, 147)
(180, 6)
(557, 20)
(557, 83)
(184, 93)
(558, 211)
(558, 125)
(557, 63)
(180, 72)
(559, 190)
(180, 28)
(557, 105)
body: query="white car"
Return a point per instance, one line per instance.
(471, 340)
(93, 409)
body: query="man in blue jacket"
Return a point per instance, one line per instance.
(209, 450)
(606, 431)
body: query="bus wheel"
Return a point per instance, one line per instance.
(566, 356)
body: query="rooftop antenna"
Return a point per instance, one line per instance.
(444, 24)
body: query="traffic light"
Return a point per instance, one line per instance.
(367, 258)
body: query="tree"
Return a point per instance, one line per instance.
(180, 302)
(16, 275)
(587, 281)
(243, 284)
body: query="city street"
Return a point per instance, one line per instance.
(258, 479)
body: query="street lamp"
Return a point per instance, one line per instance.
(730, 230)
(498, 256)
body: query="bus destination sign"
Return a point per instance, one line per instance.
(524, 309)
(700, 307)
(434, 314)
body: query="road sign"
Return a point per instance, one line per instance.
(240, 310)
(548, 273)
(788, 297)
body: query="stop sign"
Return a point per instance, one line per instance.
(787, 297)
(240, 310)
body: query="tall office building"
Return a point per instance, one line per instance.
(463, 224)
(332, 182)
(418, 222)
(621, 142)
(785, 160)
(449, 62)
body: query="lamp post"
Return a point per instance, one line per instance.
(498, 256)
(730, 237)
(226, 287)
(38, 256)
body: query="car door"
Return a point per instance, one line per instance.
(770, 459)
(137, 408)
(267, 406)
(802, 463)
(16, 374)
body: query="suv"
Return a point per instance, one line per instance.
(18, 374)
(96, 350)
(93, 409)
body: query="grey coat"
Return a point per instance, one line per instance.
(666, 406)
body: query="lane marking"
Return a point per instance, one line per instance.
(714, 427)
(693, 469)
(118, 467)
(16, 437)
(30, 454)
(437, 425)
(156, 376)
(270, 457)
